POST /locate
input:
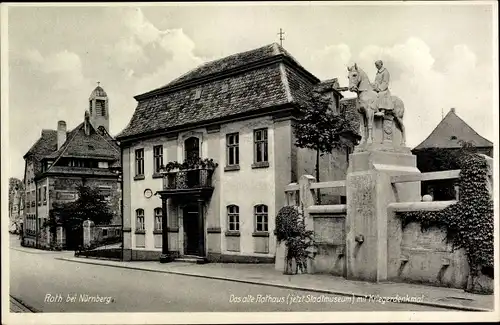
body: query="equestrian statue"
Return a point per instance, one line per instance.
(375, 100)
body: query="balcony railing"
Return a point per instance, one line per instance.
(188, 179)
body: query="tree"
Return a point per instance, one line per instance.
(441, 159)
(89, 205)
(319, 128)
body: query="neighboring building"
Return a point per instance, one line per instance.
(59, 161)
(238, 111)
(15, 204)
(448, 137)
(450, 133)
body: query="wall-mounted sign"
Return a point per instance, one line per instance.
(66, 196)
(148, 193)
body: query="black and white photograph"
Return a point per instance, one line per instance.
(241, 162)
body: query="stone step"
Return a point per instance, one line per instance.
(191, 259)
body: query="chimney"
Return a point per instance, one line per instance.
(86, 123)
(452, 109)
(61, 134)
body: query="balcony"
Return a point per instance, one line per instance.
(196, 181)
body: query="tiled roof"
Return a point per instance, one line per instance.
(232, 61)
(348, 105)
(94, 145)
(249, 91)
(46, 144)
(261, 86)
(450, 131)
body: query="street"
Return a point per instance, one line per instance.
(51, 285)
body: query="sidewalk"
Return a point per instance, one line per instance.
(265, 274)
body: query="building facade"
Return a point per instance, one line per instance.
(443, 142)
(237, 112)
(59, 162)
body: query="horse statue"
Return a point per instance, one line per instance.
(367, 105)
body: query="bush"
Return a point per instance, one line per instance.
(299, 242)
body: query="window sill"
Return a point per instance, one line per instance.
(140, 232)
(45, 203)
(157, 175)
(231, 168)
(232, 233)
(139, 177)
(262, 164)
(127, 229)
(260, 234)
(157, 232)
(173, 229)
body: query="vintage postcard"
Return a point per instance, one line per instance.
(247, 162)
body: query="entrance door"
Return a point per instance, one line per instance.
(191, 230)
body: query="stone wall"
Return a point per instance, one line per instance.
(427, 258)
(329, 234)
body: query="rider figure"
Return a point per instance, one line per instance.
(381, 87)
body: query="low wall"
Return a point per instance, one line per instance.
(329, 235)
(417, 256)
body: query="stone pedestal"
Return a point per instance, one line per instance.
(386, 136)
(369, 191)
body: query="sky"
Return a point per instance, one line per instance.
(439, 56)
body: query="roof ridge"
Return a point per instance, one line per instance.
(276, 51)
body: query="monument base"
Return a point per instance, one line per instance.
(369, 191)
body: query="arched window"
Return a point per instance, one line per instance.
(158, 218)
(233, 218)
(261, 218)
(139, 213)
(192, 148)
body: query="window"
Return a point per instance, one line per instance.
(158, 158)
(139, 162)
(261, 218)
(45, 195)
(103, 164)
(260, 145)
(158, 219)
(233, 217)
(140, 219)
(233, 150)
(192, 148)
(105, 232)
(39, 198)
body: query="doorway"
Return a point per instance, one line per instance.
(192, 235)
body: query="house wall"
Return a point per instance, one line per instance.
(145, 245)
(29, 211)
(246, 188)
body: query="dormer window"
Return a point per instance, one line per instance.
(453, 137)
(91, 147)
(197, 94)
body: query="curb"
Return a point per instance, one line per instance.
(21, 304)
(278, 285)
